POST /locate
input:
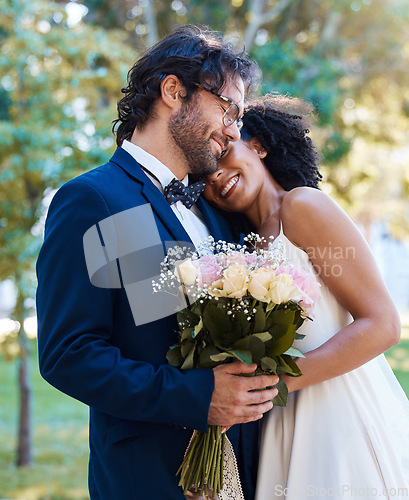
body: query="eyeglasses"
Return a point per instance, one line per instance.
(231, 114)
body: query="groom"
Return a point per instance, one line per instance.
(100, 338)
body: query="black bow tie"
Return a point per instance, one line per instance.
(188, 195)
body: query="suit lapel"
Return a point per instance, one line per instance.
(152, 195)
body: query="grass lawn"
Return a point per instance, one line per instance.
(60, 441)
(60, 435)
(398, 358)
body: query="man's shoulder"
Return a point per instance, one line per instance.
(108, 184)
(104, 178)
(97, 176)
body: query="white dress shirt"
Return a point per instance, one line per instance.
(160, 175)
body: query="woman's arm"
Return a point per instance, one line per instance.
(314, 222)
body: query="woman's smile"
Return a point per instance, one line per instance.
(228, 187)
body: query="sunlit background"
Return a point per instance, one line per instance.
(62, 65)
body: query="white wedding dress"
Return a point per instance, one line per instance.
(347, 437)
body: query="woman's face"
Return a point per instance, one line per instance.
(237, 183)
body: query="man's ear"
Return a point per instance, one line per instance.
(172, 91)
(256, 145)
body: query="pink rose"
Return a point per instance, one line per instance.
(306, 282)
(236, 258)
(310, 288)
(209, 269)
(251, 259)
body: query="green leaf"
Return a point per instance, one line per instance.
(205, 358)
(198, 327)
(257, 348)
(263, 336)
(282, 330)
(268, 364)
(222, 330)
(276, 332)
(270, 306)
(198, 307)
(186, 347)
(259, 321)
(241, 323)
(186, 334)
(220, 357)
(242, 344)
(281, 316)
(174, 356)
(282, 396)
(281, 345)
(244, 356)
(287, 365)
(293, 365)
(187, 319)
(294, 352)
(188, 364)
(215, 320)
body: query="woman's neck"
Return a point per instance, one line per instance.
(266, 207)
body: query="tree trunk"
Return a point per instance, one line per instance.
(150, 20)
(258, 17)
(254, 16)
(24, 456)
(329, 34)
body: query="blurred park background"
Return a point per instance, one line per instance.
(62, 65)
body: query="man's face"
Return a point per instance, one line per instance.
(198, 129)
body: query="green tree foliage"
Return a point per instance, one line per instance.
(59, 86)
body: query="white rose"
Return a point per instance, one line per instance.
(186, 272)
(259, 283)
(233, 284)
(235, 281)
(216, 288)
(282, 289)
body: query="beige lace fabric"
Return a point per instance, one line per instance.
(231, 479)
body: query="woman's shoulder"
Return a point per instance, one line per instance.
(305, 201)
(304, 197)
(305, 209)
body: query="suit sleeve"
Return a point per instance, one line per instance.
(76, 327)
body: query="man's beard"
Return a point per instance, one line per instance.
(190, 132)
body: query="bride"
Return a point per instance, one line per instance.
(345, 429)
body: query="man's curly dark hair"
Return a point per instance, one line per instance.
(281, 124)
(195, 56)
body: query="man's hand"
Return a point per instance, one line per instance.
(233, 401)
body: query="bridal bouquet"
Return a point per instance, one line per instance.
(245, 303)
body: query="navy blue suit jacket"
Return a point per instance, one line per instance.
(142, 410)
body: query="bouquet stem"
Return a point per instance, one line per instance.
(202, 467)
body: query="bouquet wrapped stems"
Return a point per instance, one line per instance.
(202, 467)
